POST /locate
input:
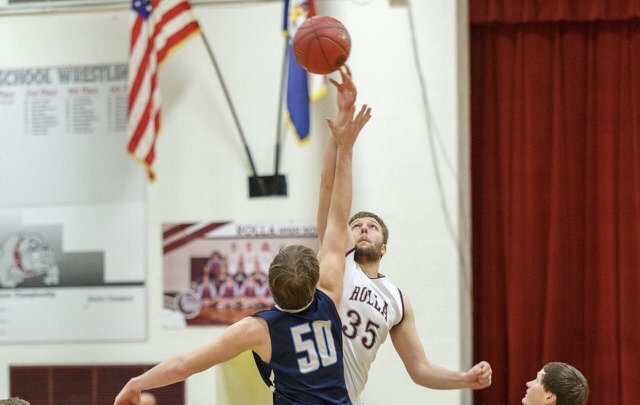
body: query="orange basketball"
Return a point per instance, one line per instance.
(321, 44)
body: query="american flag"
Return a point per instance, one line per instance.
(158, 27)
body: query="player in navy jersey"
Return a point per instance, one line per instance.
(297, 343)
(372, 307)
(315, 375)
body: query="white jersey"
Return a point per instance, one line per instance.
(369, 308)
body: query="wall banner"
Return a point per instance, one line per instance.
(72, 210)
(215, 273)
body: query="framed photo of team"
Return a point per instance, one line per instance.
(215, 273)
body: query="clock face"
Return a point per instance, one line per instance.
(188, 302)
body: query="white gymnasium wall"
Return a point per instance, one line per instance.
(202, 168)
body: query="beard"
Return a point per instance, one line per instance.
(367, 253)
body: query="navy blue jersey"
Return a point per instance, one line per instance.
(306, 355)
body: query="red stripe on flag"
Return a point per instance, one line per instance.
(175, 24)
(183, 11)
(176, 39)
(172, 13)
(155, 111)
(141, 128)
(139, 75)
(135, 31)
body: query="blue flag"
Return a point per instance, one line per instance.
(297, 98)
(296, 13)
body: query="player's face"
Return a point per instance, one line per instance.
(368, 237)
(536, 394)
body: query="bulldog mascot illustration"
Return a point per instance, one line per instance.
(26, 255)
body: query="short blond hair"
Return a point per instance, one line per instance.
(293, 276)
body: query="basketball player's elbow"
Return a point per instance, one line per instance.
(180, 368)
(421, 373)
(416, 376)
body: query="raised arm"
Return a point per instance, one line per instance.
(247, 334)
(337, 234)
(346, 98)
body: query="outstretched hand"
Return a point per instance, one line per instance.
(479, 376)
(347, 133)
(346, 90)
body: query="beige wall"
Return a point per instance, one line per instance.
(202, 169)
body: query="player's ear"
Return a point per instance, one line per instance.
(383, 249)
(550, 398)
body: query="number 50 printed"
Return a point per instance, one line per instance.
(319, 349)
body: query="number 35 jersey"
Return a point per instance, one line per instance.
(306, 365)
(369, 308)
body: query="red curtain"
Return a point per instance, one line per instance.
(517, 11)
(555, 107)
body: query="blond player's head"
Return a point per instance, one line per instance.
(293, 276)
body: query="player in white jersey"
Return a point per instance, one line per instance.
(372, 307)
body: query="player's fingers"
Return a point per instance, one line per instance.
(486, 380)
(344, 72)
(362, 118)
(365, 112)
(331, 124)
(365, 119)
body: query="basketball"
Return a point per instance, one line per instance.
(321, 44)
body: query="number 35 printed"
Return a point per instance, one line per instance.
(355, 323)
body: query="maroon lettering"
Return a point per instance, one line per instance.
(354, 294)
(367, 296)
(385, 310)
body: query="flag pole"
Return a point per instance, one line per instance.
(261, 184)
(285, 64)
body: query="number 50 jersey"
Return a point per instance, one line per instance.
(306, 366)
(369, 308)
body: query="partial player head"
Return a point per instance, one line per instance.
(557, 383)
(566, 382)
(370, 234)
(366, 214)
(293, 276)
(321, 44)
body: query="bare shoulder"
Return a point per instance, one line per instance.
(406, 303)
(253, 326)
(407, 325)
(254, 331)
